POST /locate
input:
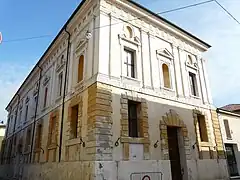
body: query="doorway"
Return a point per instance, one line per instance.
(231, 160)
(174, 155)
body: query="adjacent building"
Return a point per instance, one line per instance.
(121, 93)
(229, 118)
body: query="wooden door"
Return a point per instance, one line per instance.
(174, 154)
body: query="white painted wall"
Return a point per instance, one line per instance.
(234, 124)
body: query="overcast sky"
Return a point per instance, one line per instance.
(20, 19)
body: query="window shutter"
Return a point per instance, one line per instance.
(227, 129)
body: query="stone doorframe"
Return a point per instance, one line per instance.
(172, 119)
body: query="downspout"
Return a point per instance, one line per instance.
(64, 95)
(35, 114)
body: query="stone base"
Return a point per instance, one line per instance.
(117, 170)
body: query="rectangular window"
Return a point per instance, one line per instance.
(39, 136)
(193, 84)
(133, 121)
(129, 63)
(26, 113)
(20, 118)
(53, 130)
(45, 97)
(74, 121)
(28, 140)
(60, 81)
(202, 128)
(227, 129)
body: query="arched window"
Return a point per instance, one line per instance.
(166, 77)
(80, 68)
(129, 32)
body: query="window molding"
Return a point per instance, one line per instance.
(202, 146)
(144, 138)
(132, 44)
(75, 101)
(165, 57)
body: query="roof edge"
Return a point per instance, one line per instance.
(49, 47)
(172, 24)
(219, 110)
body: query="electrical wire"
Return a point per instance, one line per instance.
(227, 11)
(25, 39)
(141, 17)
(164, 12)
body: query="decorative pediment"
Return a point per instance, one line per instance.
(164, 52)
(46, 80)
(129, 35)
(27, 100)
(60, 63)
(191, 62)
(80, 44)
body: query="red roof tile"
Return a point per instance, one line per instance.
(231, 107)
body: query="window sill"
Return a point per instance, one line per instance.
(205, 144)
(79, 85)
(44, 109)
(52, 146)
(72, 142)
(58, 98)
(130, 78)
(168, 89)
(37, 150)
(134, 140)
(195, 97)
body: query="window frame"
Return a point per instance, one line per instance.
(202, 128)
(227, 129)
(134, 130)
(193, 80)
(169, 75)
(132, 64)
(83, 67)
(74, 122)
(45, 97)
(60, 85)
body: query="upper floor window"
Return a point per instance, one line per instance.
(80, 68)
(26, 113)
(166, 76)
(20, 117)
(202, 128)
(60, 81)
(227, 129)
(193, 84)
(129, 62)
(45, 97)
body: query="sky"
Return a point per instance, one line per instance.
(27, 18)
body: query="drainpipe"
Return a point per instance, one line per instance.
(64, 95)
(35, 115)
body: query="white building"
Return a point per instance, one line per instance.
(229, 118)
(137, 103)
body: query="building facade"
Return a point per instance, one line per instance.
(229, 118)
(121, 93)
